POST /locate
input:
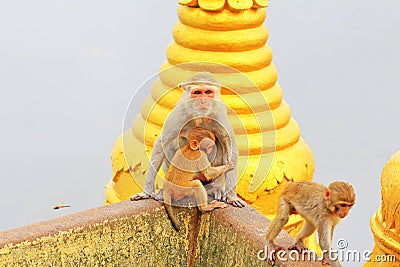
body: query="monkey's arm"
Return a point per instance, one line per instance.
(229, 153)
(210, 173)
(231, 180)
(157, 158)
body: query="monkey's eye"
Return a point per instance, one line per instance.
(344, 205)
(209, 92)
(197, 92)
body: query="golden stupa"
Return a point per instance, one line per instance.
(231, 33)
(385, 223)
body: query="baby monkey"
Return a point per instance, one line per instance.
(321, 207)
(190, 164)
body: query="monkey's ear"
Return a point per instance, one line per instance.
(327, 194)
(194, 144)
(183, 86)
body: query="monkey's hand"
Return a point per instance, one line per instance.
(140, 196)
(236, 202)
(215, 204)
(229, 165)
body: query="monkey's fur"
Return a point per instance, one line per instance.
(214, 118)
(180, 180)
(321, 207)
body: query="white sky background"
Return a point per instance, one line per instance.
(68, 70)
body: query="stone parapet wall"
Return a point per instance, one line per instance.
(140, 234)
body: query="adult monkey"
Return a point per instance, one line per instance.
(199, 106)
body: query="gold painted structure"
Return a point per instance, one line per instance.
(385, 223)
(271, 150)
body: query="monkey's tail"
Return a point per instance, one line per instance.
(170, 212)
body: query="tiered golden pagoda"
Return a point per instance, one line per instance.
(272, 152)
(385, 223)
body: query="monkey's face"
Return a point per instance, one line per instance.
(343, 208)
(342, 198)
(202, 96)
(207, 145)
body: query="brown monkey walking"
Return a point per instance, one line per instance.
(201, 105)
(180, 180)
(321, 207)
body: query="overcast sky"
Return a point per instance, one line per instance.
(68, 70)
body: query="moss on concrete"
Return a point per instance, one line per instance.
(140, 234)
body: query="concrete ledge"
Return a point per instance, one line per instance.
(140, 234)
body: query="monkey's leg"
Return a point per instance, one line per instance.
(200, 194)
(274, 228)
(216, 188)
(279, 221)
(325, 232)
(168, 208)
(157, 158)
(159, 195)
(305, 232)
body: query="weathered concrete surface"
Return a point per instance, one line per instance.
(140, 234)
